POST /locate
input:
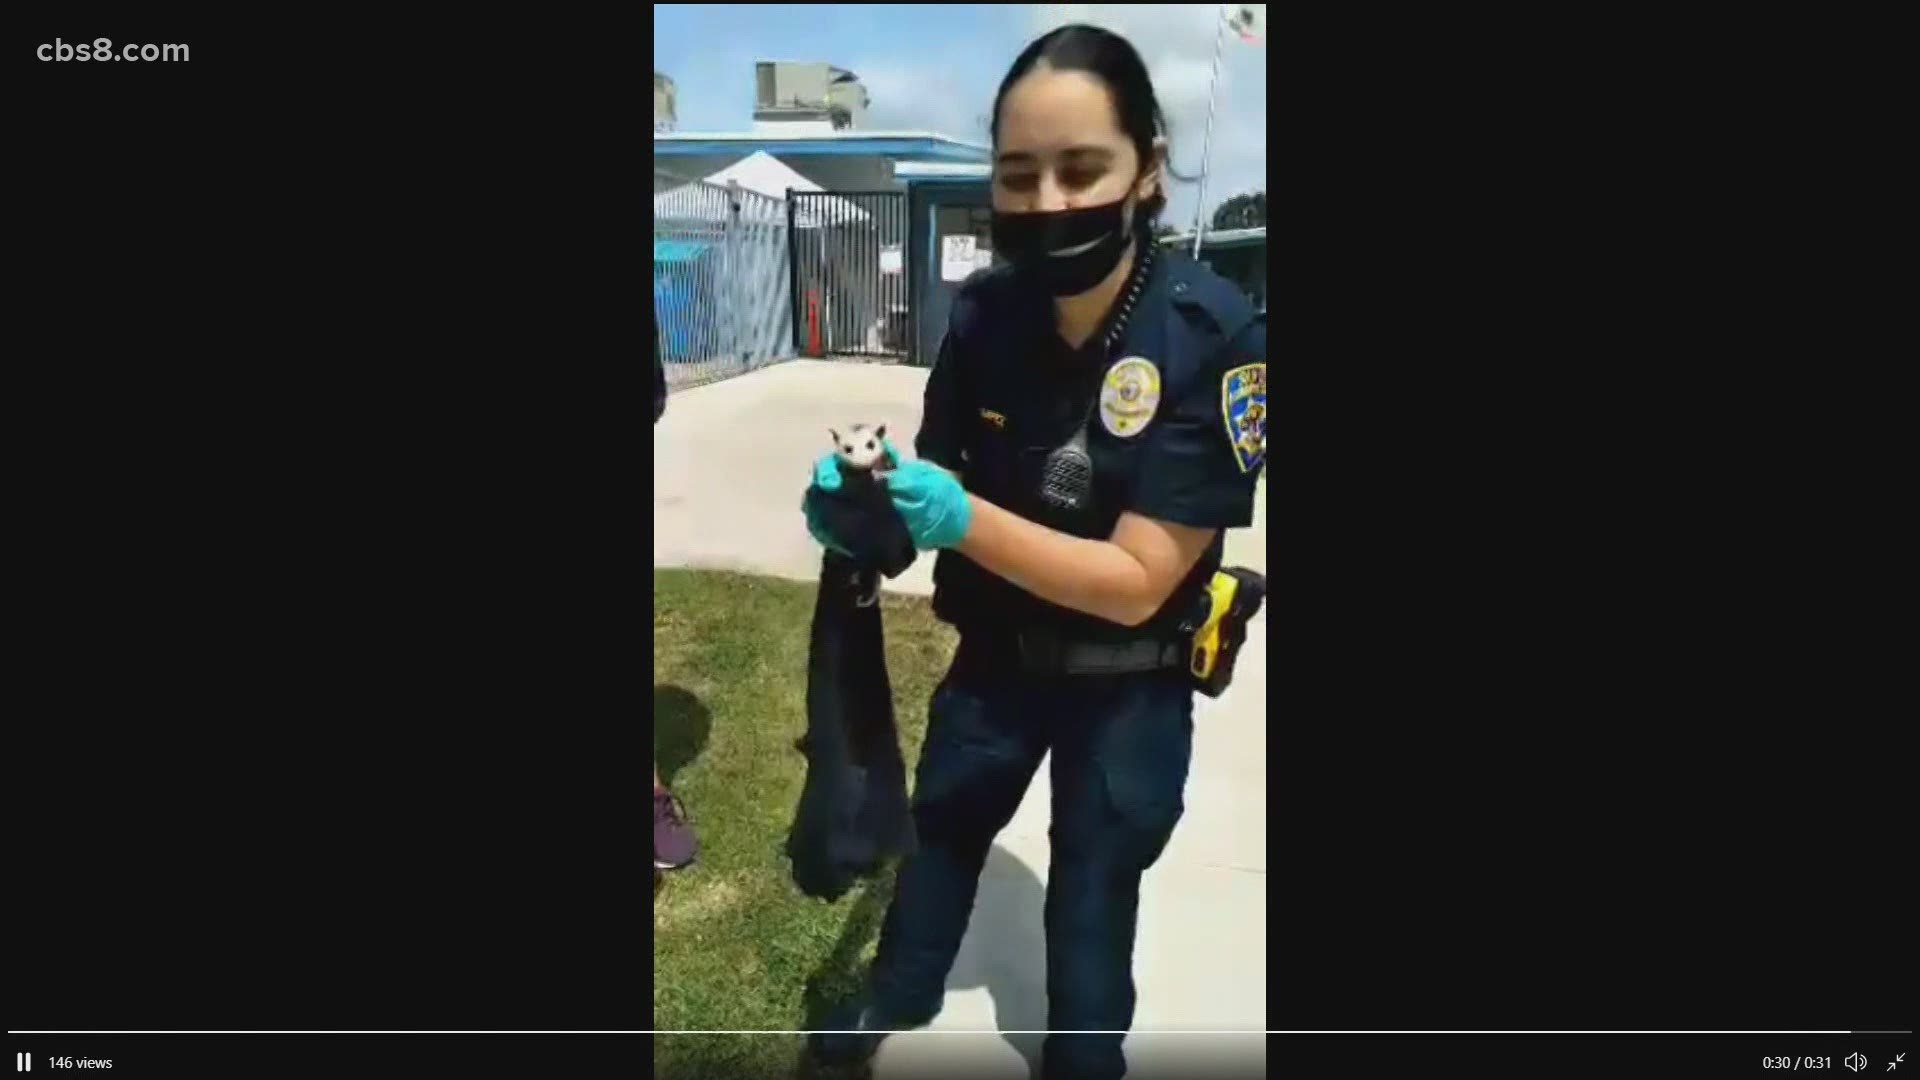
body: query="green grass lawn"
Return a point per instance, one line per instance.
(736, 947)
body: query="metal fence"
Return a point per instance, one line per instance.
(850, 273)
(721, 278)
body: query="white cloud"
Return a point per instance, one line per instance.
(923, 97)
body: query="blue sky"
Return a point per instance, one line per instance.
(935, 68)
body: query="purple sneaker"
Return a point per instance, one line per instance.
(673, 842)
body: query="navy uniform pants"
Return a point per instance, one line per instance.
(1121, 746)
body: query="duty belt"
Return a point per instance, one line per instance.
(1046, 652)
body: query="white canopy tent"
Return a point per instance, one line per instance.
(762, 174)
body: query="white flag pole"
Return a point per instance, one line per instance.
(1206, 145)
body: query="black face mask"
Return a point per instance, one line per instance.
(1066, 251)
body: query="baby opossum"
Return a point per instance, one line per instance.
(864, 448)
(862, 455)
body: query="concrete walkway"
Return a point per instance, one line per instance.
(732, 460)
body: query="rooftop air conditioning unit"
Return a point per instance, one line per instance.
(808, 92)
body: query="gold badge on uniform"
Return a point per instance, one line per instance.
(1130, 396)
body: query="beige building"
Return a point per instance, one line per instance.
(663, 118)
(796, 98)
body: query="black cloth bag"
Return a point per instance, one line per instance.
(853, 812)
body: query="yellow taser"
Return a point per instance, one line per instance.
(1231, 598)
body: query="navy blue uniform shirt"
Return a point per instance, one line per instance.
(1175, 416)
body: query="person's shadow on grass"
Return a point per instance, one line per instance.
(1004, 951)
(841, 975)
(681, 725)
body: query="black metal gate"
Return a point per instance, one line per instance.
(849, 270)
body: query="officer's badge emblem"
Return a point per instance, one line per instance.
(1130, 396)
(1243, 401)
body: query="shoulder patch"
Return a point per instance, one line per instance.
(1243, 406)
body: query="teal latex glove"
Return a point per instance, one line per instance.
(813, 526)
(932, 503)
(826, 477)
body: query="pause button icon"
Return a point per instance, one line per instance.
(22, 1062)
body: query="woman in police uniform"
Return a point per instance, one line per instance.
(1095, 419)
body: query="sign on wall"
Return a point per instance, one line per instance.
(958, 257)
